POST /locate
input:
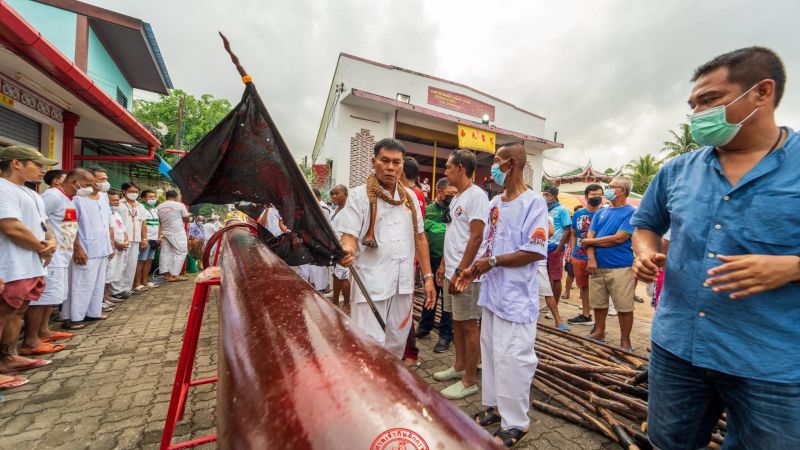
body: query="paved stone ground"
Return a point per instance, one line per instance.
(110, 388)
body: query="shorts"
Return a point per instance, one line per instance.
(619, 284)
(579, 267)
(56, 287)
(148, 252)
(341, 273)
(545, 288)
(568, 268)
(464, 306)
(555, 265)
(18, 291)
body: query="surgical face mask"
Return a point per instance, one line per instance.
(104, 186)
(115, 208)
(595, 201)
(132, 195)
(448, 199)
(609, 194)
(711, 127)
(152, 202)
(83, 191)
(498, 175)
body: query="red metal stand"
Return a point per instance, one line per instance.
(183, 376)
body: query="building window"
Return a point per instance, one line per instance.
(121, 98)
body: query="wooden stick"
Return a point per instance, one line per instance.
(591, 369)
(575, 407)
(623, 438)
(578, 338)
(600, 390)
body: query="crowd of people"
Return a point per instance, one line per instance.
(73, 253)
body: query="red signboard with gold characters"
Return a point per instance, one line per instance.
(459, 102)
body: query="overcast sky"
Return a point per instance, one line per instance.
(611, 77)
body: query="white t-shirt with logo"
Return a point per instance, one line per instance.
(171, 214)
(63, 218)
(134, 219)
(23, 204)
(472, 204)
(117, 227)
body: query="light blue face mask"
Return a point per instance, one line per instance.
(498, 175)
(711, 127)
(609, 194)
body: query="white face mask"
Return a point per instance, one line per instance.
(115, 208)
(84, 191)
(104, 186)
(132, 195)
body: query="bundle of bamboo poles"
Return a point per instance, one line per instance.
(595, 385)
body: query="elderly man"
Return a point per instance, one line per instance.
(725, 334)
(515, 242)
(608, 247)
(62, 219)
(437, 214)
(25, 248)
(90, 254)
(382, 232)
(469, 212)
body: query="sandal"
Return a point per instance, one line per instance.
(31, 365)
(58, 335)
(13, 383)
(486, 418)
(176, 279)
(95, 319)
(41, 350)
(510, 437)
(72, 326)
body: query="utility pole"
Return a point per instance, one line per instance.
(179, 130)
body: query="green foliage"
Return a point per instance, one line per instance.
(641, 171)
(682, 142)
(200, 115)
(610, 171)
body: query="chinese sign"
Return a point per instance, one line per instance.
(476, 139)
(51, 142)
(18, 94)
(458, 102)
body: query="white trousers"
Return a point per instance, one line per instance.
(115, 266)
(509, 363)
(56, 287)
(126, 273)
(174, 249)
(86, 292)
(396, 312)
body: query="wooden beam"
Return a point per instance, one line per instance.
(82, 42)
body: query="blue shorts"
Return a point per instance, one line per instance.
(148, 252)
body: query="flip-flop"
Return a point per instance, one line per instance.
(95, 319)
(58, 335)
(13, 383)
(31, 365)
(41, 350)
(591, 338)
(73, 326)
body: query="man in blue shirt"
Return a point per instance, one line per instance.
(562, 225)
(608, 247)
(726, 331)
(581, 221)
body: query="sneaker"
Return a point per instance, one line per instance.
(120, 296)
(457, 391)
(132, 292)
(612, 311)
(140, 288)
(548, 315)
(563, 327)
(108, 307)
(422, 333)
(442, 346)
(580, 319)
(449, 374)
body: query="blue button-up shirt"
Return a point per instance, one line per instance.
(755, 337)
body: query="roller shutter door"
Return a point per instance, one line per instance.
(20, 128)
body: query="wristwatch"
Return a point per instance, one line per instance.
(458, 271)
(492, 262)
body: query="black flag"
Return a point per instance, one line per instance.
(244, 160)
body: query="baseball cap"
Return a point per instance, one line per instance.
(21, 153)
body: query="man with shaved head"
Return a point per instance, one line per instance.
(515, 241)
(341, 275)
(62, 219)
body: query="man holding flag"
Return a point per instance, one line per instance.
(389, 209)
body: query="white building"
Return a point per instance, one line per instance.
(369, 101)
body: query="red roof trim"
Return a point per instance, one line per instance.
(21, 38)
(454, 83)
(449, 118)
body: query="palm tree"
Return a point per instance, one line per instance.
(641, 171)
(680, 144)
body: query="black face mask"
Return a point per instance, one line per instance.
(595, 201)
(448, 199)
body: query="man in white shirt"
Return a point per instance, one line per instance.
(25, 248)
(515, 243)
(469, 212)
(174, 244)
(387, 262)
(318, 276)
(90, 256)
(134, 217)
(120, 244)
(62, 219)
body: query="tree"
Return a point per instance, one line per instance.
(610, 171)
(200, 115)
(641, 171)
(680, 143)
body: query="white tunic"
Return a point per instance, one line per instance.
(93, 220)
(23, 204)
(388, 269)
(134, 218)
(63, 219)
